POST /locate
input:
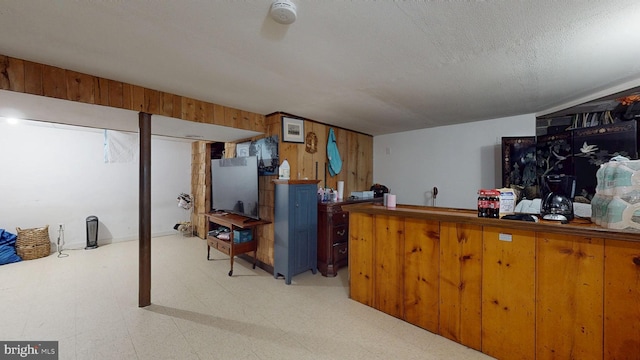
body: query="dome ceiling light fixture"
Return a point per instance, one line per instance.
(283, 11)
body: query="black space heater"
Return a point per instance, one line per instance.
(92, 232)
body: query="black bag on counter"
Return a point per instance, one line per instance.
(379, 190)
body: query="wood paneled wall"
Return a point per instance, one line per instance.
(356, 149)
(356, 152)
(200, 186)
(45, 80)
(50, 81)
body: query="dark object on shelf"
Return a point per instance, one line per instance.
(521, 217)
(379, 190)
(519, 161)
(632, 112)
(92, 232)
(553, 154)
(557, 197)
(558, 129)
(606, 141)
(580, 152)
(217, 150)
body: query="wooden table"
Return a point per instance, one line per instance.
(229, 247)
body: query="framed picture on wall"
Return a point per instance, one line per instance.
(292, 130)
(242, 149)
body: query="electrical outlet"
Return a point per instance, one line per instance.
(61, 226)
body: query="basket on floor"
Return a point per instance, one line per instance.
(33, 243)
(185, 229)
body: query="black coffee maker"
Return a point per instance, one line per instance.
(557, 197)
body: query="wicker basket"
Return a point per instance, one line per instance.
(185, 228)
(33, 243)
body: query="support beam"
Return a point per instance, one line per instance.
(144, 211)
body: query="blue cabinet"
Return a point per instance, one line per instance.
(295, 228)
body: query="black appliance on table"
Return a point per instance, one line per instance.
(558, 192)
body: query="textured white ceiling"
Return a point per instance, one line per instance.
(373, 66)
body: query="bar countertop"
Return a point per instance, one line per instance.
(579, 226)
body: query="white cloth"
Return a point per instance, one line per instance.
(120, 147)
(529, 206)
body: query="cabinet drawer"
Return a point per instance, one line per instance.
(340, 252)
(224, 247)
(340, 218)
(340, 234)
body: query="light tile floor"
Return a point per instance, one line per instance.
(88, 302)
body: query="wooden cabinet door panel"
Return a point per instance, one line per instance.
(622, 300)
(570, 271)
(460, 283)
(361, 258)
(508, 291)
(421, 264)
(305, 229)
(388, 251)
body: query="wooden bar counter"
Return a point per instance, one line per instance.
(511, 289)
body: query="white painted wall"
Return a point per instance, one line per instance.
(458, 159)
(53, 174)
